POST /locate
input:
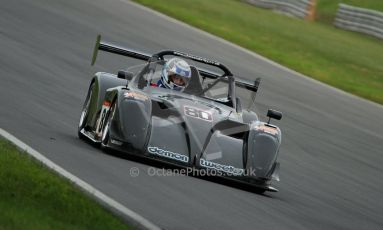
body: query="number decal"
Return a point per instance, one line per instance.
(196, 113)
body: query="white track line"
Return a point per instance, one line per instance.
(251, 53)
(133, 218)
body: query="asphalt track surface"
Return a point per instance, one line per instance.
(331, 156)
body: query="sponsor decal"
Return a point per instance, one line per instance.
(267, 129)
(137, 96)
(197, 58)
(219, 167)
(168, 154)
(197, 113)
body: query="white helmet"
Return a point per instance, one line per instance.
(176, 74)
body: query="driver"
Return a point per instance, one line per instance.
(175, 75)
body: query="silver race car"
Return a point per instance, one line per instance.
(206, 126)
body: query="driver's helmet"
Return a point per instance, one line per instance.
(176, 74)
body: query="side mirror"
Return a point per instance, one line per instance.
(274, 114)
(125, 75)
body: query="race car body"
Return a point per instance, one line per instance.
(204, 127)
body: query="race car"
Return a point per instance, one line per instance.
(206, 126)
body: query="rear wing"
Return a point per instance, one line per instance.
(111, 48)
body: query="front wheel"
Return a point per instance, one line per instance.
(105, 138)
(85, 112)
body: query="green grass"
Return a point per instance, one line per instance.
(326, 9)
(350, 61)
(33, 197)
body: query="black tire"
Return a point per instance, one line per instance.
(84, 113)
